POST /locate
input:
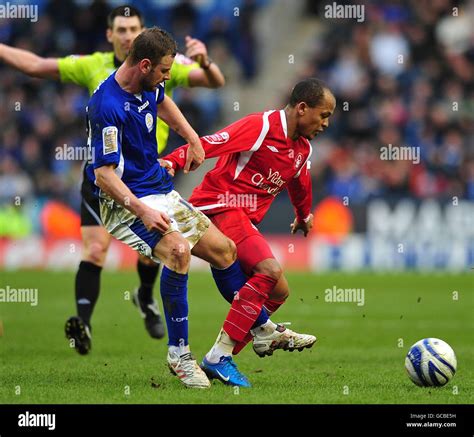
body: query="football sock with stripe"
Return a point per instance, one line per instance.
(87, 287)
(229, 281)
(247, 305)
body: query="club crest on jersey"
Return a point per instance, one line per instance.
(149, 121)
(221, 138)
(298, 160)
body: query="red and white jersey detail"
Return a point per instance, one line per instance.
(257, 161)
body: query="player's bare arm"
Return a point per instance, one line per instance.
(209, 75)
(29, 63)
(175, 119)
(110, 183)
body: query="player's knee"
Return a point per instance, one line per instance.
(95, 252)
(229, 252)
(269, 267)
(224, 254)
(180, 256)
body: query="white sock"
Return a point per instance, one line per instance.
(179, 350)
(266, 329)
(222, 347)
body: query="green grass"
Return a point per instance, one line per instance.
(357, 353)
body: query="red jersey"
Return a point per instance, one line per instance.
(257, 161)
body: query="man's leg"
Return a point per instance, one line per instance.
(96, 241)
(246, 306)
(173, 251)
(143, 297)
(255, 255)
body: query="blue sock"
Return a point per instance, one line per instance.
(229, 281)
(174, 290)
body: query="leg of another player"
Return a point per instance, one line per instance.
(269, 337)
(96, 242)
(143, 297)
(220, 252)
(247, 304)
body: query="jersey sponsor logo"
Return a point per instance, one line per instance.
(273, 184)
(141, 108)
(149, 121)
(299, 160)
(109, 140)
(221, 138)
(272, 148)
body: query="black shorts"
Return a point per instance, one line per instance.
(90, 210)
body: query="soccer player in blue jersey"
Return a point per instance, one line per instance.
(138, 204)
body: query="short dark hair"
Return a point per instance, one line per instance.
(153, 44)
(311, 91)
(124, 11)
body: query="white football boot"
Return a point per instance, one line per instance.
(187, 370)
(265, 343)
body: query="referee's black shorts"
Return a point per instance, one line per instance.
(90, 210)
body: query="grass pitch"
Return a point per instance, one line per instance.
(359, 357)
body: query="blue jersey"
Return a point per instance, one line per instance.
(122, 131)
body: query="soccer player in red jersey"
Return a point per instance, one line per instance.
(259, 156)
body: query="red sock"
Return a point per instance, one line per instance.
(271, 306)
(247, 305)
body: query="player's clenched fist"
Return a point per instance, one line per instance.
(194, 156)
(304, 225)
(196, 50)
(155, 220)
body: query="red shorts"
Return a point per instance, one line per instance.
(252, 247)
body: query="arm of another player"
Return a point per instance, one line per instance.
(209, 75)
(301, 196)
(110, 183)
(240, 136)
(175, 119)
(29, 63)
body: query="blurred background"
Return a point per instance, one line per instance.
(403, 77)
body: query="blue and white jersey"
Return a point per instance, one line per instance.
(122, 131)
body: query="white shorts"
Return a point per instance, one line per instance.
(128, 228)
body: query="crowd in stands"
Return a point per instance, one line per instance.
(404, 77)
